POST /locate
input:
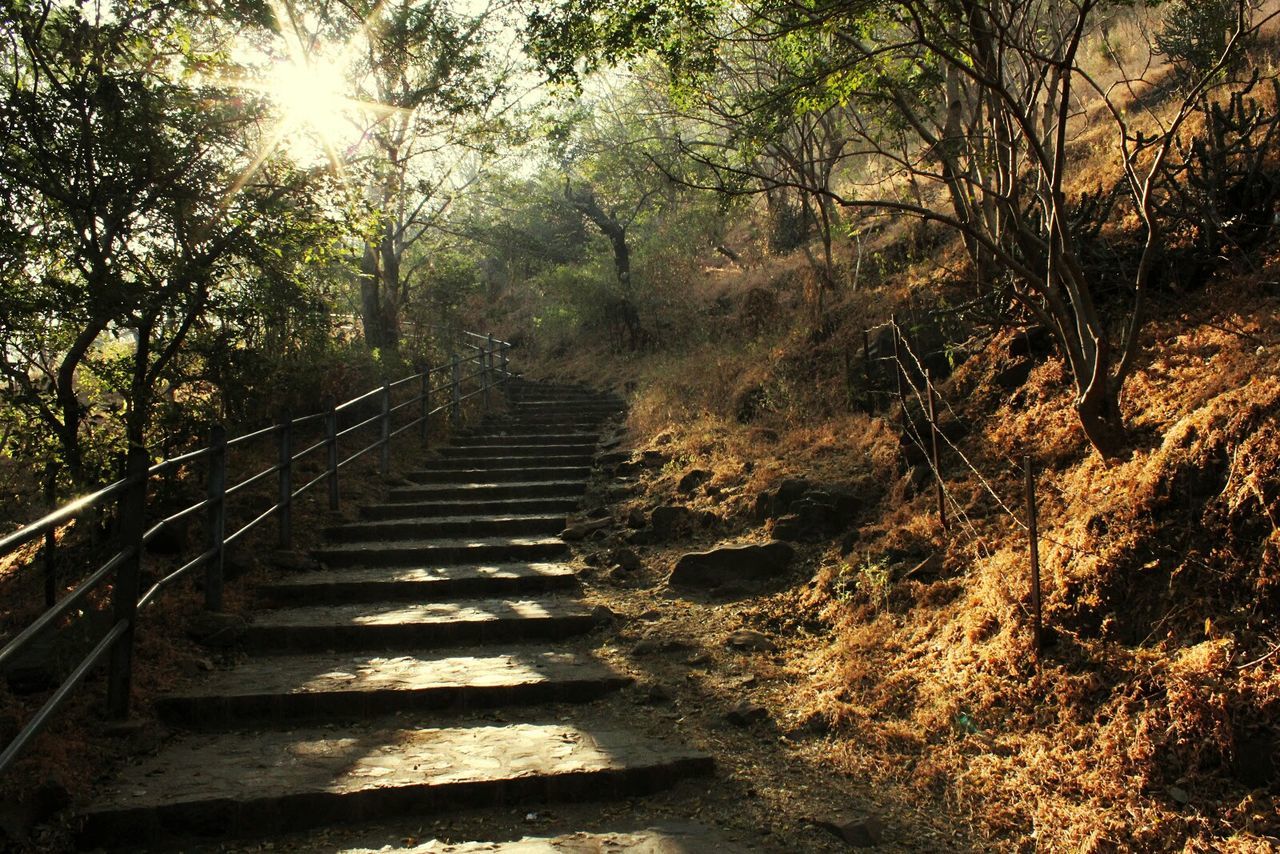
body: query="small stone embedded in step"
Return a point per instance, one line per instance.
(746, 713)
(582, 530)
(216, 629)
(732, 565)
(749, 640)
(857, 833)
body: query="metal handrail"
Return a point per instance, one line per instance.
(124, 565)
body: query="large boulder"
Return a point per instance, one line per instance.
(732, 565)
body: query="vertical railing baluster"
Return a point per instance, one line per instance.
(331, 448)
(455, 399)
(285, 498)
(424, 407)
(506, 375)
(216, 518)
(49, 558)
(384, 457)
(128, 581)
(487, 368)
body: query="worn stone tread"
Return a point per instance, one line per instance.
(304, 685)
(661, 840)
(424, 583)
(347, 626)
(234, 783)
(487, 525)
(452, 550)
(514, 489)
(495, 507)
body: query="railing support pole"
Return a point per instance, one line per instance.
(933, 452)
(455, 387)
(488, 374)
(1034, 540)
(331, 447)
(506, 375)
(424, 407)
(48, 555)
(384, 457)
(128, 581)
(285, 499)
(216, 520)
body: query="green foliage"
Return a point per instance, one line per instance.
(1195, 33)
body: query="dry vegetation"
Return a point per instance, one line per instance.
(1152, 723)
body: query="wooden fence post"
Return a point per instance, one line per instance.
(285, 498)
(933, 451)
(128, 581)
(331, 446)
(1034, 540)
(384, 458)
(216, 517)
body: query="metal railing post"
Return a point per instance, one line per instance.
(128, 581)
(455, 399)
(506, 376)
(48, 555)
(331, 447)
(384, 458)
(285, 499)
(487, 373)
(216, 519)
(424, 407)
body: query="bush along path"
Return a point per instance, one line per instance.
(360, 694)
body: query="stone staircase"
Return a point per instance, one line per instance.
(449, 596)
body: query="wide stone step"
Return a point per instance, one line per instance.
(497, 507)
(506, 436)
(452, 526)
(433, 584)
(380, 625)
(686, 839)
(479, 460)
(282, 688)
(522, 474)
(488, 491)
(435, 552)
(255, 783)
(515, 450)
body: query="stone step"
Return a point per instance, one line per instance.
(514, 450)
(285, 688)
(381, 625)
(437, 552)
(561, 506)
(434, 584)
(488, 491)
(666, 839)
(505, 436)
(257, 783)
(522, 474)
(447, 526)
(477, 461)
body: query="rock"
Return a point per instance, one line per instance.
(732, 565)
(215, 629)
(746, 714)
(849, 541)
(603, 615)
(693, 479)
(670, 519)
(1255, 763)
(858, 833)
(626, 560)
(293, 561)
(582, 530)
(790, 528)
(791, 489)
(1014, 376)
(750, 640)
(764, 434)
(598, 512)
(1179, 795)
(652, 693)
(636, 518)
(612, 459)
(1032, 341)
(926, 570)
(193, 666)
(654, 459)
(699, 659)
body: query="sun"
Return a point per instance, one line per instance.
(316, 117)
